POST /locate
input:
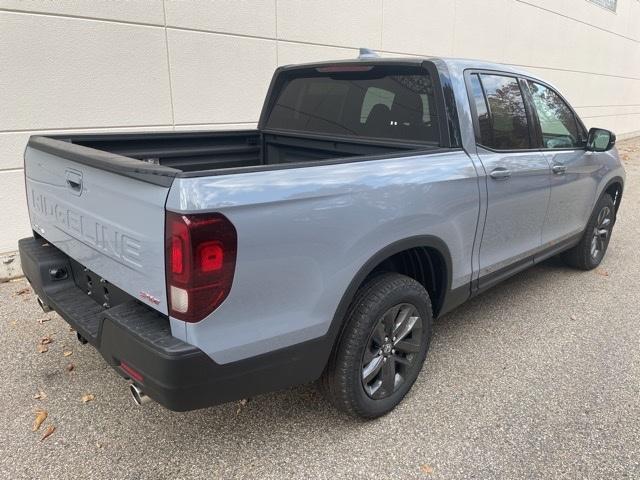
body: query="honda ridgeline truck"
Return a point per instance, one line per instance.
(374, 196)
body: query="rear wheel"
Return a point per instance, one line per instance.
(588, 254)
(382, 348)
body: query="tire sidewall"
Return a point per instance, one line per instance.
(361, 324)
(604, 201)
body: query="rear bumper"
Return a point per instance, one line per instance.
(175, 374)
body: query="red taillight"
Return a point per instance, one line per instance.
(201, 259)
(177, 254)
(210, 256)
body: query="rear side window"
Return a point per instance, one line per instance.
(484, 135)
(557, 122)
(387, 102)
(502, 116)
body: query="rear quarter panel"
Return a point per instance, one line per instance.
(303, 234)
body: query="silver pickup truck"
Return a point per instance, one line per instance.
(374, 196)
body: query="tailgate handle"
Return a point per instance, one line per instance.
(74, 181)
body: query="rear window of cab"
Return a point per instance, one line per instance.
(384, 102)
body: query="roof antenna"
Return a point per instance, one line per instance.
(367, 53)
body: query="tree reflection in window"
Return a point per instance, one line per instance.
(509, 125)
(557, 121)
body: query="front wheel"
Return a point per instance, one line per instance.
(382, 349)
(588, 254)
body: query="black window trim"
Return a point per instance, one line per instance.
(532, 116)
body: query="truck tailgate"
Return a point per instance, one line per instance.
(110, 223)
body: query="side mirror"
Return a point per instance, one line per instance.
(600, 140)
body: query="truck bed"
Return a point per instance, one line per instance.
(101, 199)
(207, 151)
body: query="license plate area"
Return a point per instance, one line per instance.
(97, 288)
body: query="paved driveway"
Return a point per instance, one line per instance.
(537, 378)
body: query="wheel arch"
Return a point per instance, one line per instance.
(615, 188)
(369, 267)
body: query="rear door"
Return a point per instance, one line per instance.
(111, 224)
(573, 183)
(517, 175)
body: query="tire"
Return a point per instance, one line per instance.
(588, 254)
(357, 379)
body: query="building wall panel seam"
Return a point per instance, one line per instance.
(80, 17)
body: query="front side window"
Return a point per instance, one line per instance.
(557, 122)
(502, 116)
(388, 102)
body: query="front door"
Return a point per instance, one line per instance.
(574, 170)
(517, 176)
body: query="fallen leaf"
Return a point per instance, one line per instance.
(426, 469)
(67, 353)
(70, 367)
(22, 291)
(40, 395)
(88, 397)
(50, 429)
(41, 416)
(241, 404)
(602, 272)
(42, 348)
(46, 340)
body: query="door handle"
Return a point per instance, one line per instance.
(559, 169)
(500, 173)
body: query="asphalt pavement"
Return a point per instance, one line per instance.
(537, 378)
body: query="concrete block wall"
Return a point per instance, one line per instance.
(163, 65)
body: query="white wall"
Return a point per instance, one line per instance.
(141, 65)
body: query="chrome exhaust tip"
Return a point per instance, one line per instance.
(45, 308)
(138, 396)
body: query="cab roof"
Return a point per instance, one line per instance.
(452, 64)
